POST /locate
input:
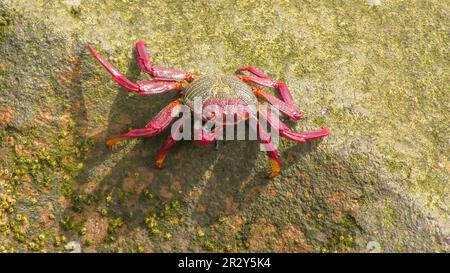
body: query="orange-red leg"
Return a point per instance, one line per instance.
(263, 80)
(289, 110)
(142, 87)
(285, 131)
(161, 156)
(264, 138)
(155, 126)
(159, 73)
(171, 139)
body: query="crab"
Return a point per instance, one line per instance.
(241, 91)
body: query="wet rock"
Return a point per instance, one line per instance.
(376, 77)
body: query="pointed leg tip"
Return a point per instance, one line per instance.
(110, 142)
(273, 175)
(326, 131)
(159, 163)
(275, 168)
(91, 49)
(109, 146)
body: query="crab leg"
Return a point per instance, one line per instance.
(282, 88)
(161, 156)
(159, 73)
(291, 111)
(254, 71)
(155, 126)
(142, 87)
(284, 130)
(171, 139)
(264, 138)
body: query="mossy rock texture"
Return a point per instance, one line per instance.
(375, 72)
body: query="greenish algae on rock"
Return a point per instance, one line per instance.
(377, 75)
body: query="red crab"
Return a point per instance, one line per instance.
(218, 90)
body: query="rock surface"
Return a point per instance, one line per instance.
(376, 74)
